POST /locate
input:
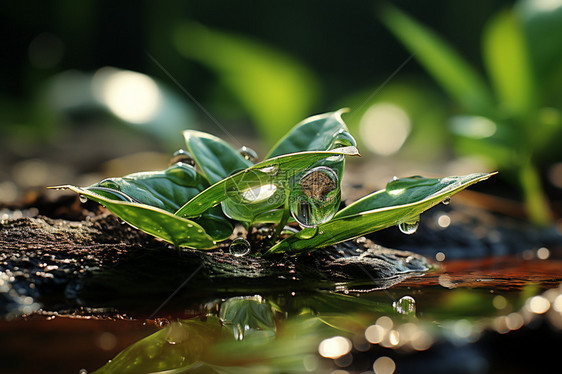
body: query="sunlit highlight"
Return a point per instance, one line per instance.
(131, 96)
(384, 128)
(384, 365)
(474, 127)
(538, 304)
(334, 347)
(260, 193)
(444, 221)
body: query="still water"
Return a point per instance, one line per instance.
(491, 315)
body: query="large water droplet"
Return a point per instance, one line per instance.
(182, 156)
(447, 200)
(239, 247)
(316, 197)
(405, 305)
(248, 153)
(83, 199)
(409, 227)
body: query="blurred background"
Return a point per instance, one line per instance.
(99, 88)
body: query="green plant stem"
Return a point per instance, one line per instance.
(281, 225)
(536, 202)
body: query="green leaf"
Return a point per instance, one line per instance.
(317, 133)
(454, 74)
(167, 190)
(322, 132)
(155, 221)
(402, 201)
(243, 185)
(215, 157)
(508, 63)
(274, 88)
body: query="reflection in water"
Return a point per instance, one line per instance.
(322, 332)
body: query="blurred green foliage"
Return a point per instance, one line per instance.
(258, 69)
(275, 89)
(509, 120)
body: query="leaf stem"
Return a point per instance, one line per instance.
(281, 225)
(536, 202)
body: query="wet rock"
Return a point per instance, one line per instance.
(100, 261)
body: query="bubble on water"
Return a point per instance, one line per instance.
(248, 153)
(447, 200)
(239, 247)
(405, 305)
(316, 197)
(83, 199)
(409, 227)
(182, 156)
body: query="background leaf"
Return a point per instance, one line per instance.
(457, 77)
(215, 157)
(508, 63)
(275, 89)
(402, 201)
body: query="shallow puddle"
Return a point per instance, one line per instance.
(494, 315)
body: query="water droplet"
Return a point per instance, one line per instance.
(271, 169)
(316, 197)
(447, 200)
(239, 247)
(307, 233)
(409, 227)
(83, 199)
(182, 156)
(248, 153)
(405, 305)
(110, 183)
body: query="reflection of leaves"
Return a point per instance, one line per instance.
(182, 344)
(247, 315)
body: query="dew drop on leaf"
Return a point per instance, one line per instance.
(307, 233)
(248, 153)
(182, 156)
(271, 169)
(83, 199)
(405, 305)
(239, 247)
(446, 201)
(409, 227)
(316, 197)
